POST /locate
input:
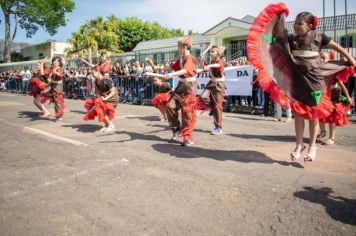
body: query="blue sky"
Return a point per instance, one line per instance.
(200, 15)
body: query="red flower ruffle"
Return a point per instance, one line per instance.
(96, 107)
(160, 100)
(338, 116)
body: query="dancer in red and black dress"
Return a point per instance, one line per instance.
(163, 90)
(104, 66)
(213, 95)
(290, 68)
(104, 103)
(54, 89)
(342, 105)
(37, 85)
(163, 93)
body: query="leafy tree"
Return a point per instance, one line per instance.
(30, 15)
(116, 35)
(133, 30)
(94, 36)
(16, 56)
(191, 32)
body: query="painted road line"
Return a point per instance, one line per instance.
(47, 134)
(68, 140)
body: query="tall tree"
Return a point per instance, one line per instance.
(32, 14)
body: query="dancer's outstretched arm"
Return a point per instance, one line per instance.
(342, 51)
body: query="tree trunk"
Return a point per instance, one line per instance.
(90, 56)
(7, 45)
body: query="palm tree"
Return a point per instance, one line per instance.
(94, 36)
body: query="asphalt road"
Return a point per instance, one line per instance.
(69, 179)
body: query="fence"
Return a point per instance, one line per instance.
(140, 91)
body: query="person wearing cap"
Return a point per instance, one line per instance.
(213, 95)
(184, 96)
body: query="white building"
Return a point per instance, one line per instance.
(232, 34)
(46, 49)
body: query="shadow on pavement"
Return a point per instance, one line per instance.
(245, 156)
(166, 127)
(136, 136)
(85, 128)
(77, 111)
(338, 208)
(32, 115)
(276, 138)
(145, 118)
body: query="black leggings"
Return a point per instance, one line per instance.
(350, 85)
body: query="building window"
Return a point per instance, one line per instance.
(238, 48)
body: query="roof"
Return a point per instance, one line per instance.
(245, 24)
(197, 38)
(170, 42)
(248, 18)
(329, 23)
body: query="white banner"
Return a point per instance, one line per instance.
(237, 80)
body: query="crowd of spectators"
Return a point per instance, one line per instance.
(78, 83)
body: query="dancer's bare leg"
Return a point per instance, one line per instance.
(299, 131)
(40, 106)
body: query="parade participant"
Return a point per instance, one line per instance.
(341, 104)
(37, 85)
(338, 117)
(183, 98)
(163, 91)
(105, 66)
(104, 103)
(54, 88)
(291, 70)
(213, 95)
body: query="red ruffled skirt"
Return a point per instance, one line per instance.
(338, 116)
(36, 86)
(96, 107)
(160, 100)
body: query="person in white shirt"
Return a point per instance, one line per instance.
(139, 70)
(26, 76)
